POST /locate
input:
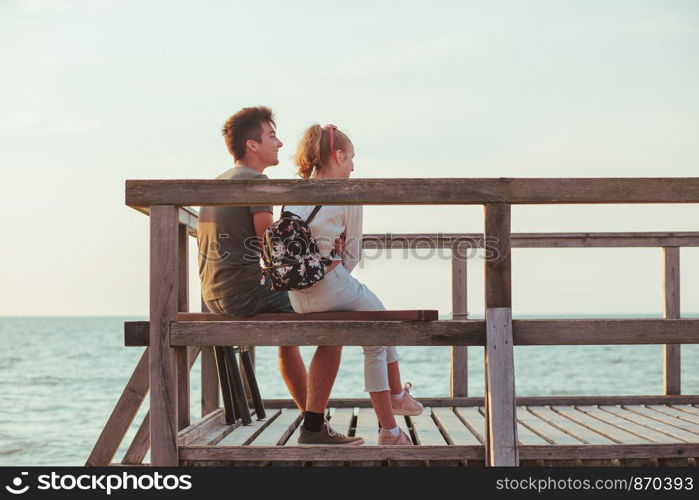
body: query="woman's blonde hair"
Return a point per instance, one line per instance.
(313, 152)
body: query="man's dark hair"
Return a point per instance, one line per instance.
(246, 124)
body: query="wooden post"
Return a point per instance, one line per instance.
(500, 405)
(671, 352)
(164, 249)
(209, 376)
(182, 306)
(459, 308)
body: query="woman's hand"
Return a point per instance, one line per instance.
(339, 245)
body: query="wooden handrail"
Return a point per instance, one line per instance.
(399, 191)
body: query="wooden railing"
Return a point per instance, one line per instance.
(170, 224)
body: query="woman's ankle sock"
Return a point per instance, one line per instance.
(395, 431)
(397, 396)
(313, 421)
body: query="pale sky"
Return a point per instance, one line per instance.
(96, 92)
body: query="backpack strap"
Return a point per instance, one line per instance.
(313, 214)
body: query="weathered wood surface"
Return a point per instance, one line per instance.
(471, 241)
(597, 451)
(627, 425)
(393, 315)
(122, 416)
(521, 401)
(186, 215)
(689, 430)
(413, 191)
(141, 442)
(329, 453)
(443, 332)
(249, 333)
(459, 308)
(200, 428)
(500, 405)
(672, 359)
(209, 376)
(577, 431)
(654, 426)
(182, 355)
(163, 308)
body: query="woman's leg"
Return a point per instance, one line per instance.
(394, 380)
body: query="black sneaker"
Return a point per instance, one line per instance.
(327, 436)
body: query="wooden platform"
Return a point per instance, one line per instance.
(635, 434)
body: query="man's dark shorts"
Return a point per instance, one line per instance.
(261, 299)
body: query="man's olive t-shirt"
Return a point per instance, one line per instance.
(229, 257)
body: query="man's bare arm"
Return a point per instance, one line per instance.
(261, 221)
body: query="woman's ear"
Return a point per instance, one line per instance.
(340, 155)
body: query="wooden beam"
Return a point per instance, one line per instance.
(183, 365)
(429, 191)
(500, 406)
(141, 442)
(256, 333)
(525, 332)
(602, 451)
(122, 416)
(163, 310)
(209, 376)
(328, 453)
(672, 360)
(459, 308)
(521, 401)
(534, 240)
(186, 215)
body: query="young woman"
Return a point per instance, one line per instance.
(327, 153)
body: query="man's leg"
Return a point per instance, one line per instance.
(293, 371)
(321, 377)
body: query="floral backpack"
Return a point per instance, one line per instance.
(290, 254)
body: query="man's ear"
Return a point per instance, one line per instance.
(251, 145)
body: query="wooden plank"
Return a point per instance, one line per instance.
(629, 426)
(675, 413)
(246, 333)
(627, 451)
(202, 427)
(367, 427)
(671, 352)
(690, 430)
(544, 429)
(141, 442)
(534, 240)
(245, 434)
(342, 419)
(427, 433)
(187, 215)
(279, 430)
(500, 405)
(122, 416)
(521, 401)
(687, 407)
(652, 424)
(605, 331)
(450, 332)
(616, 434)
(570, 427)
(459, 307)
(209, 376)
(392, 315)
(456, 432)
(473, 420)
(426, 191)
(190, 454)
(163, 308)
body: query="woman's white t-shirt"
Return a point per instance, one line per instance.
(329, 223)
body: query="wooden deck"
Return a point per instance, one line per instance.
(583, 435)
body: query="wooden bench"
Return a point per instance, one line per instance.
(136, 333)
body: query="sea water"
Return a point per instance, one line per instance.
(61, 377)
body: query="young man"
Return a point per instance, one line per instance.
(230, 273)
